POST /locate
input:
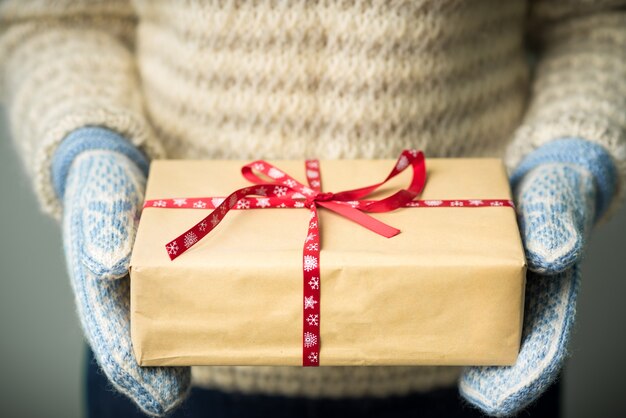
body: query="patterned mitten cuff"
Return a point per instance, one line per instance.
(91, 138)
(588, 155)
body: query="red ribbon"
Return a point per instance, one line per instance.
(283, 191)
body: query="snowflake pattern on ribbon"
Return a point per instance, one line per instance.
(314, 282)
(313, 319)
(275, 173)
(263, 202)
(190, 239)
(159, 204)
(243, 204)
(309, 302)
(172, 248)
(310, 262)
(310, 339)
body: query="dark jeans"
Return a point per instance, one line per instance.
(104, 402)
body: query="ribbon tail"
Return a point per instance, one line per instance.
(361, 218)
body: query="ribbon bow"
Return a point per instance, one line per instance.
(283, 191)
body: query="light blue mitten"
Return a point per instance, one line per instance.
(560, 189)
(101, 179)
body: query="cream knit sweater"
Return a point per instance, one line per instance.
(279, 79)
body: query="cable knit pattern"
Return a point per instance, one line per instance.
(302, 78)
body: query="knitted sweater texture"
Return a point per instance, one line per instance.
(325, 78)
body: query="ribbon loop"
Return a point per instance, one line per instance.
(412, 158)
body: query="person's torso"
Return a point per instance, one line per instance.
(332, 79)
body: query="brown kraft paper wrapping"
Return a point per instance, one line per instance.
(448, 290)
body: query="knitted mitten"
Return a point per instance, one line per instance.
(101, 178)
(560, 189)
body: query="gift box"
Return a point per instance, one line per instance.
(447, 290)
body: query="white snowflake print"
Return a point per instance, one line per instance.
(280, 190)
(290, 183)
(310, 262)
(297, 195)
(313, 247)
(246, 190)
(496, 203)
(433, 202)
(216, 201)
(310, 237)
(215, 220)
(275, 173)
(312, 225)
(172, 248)
(223, 210)
(475, 202)
(310, 339)
(314, 283)
(315, 183)
(413, 152)
(313, 164)
(159, 203)
(258, 166)
(202, 226)
(190, 239)
(199, 204)
(243, 204)
(313, 319)
(309, 302)
(402, 163)
(261, 191)
(180, 202)
(262, 202)
(413, 204)
(307, 191)
(282, 205)
(313, 174)
(313, 357)
(298, 204)
(456, 203)
(510, 202)
(232, 201)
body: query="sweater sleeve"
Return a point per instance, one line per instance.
(579, 81)
(65, 65)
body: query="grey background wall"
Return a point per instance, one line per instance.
(41, 347)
